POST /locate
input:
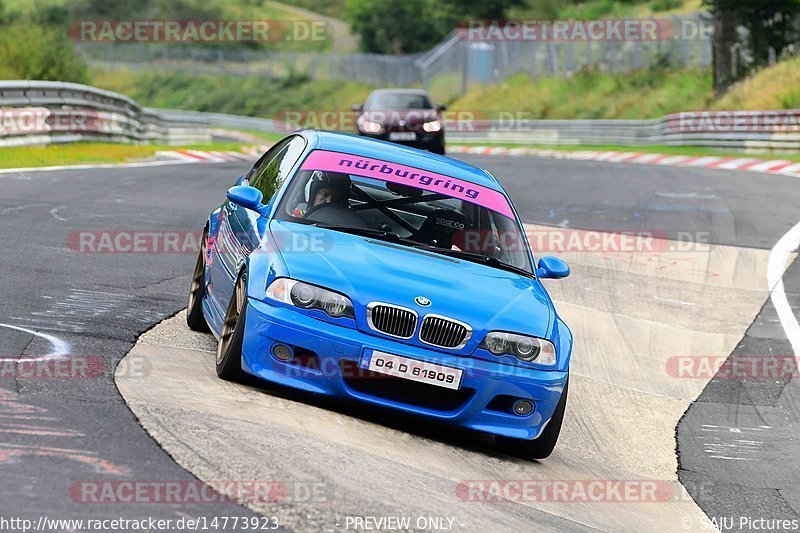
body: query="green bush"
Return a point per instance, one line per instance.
(250, 96)
(399, 26)
(32, 51)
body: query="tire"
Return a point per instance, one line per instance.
(543, 446)
(229, 349)
(195, 318)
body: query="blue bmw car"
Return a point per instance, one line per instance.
(363, 270)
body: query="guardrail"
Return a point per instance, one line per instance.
(38, 112)
(738, 130)
(44, 112)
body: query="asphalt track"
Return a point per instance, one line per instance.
(57, 433)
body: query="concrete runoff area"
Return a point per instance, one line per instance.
(631, 313)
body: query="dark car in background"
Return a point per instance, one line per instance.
(403, 116)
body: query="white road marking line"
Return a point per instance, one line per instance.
(674, 160)
(55, 214)
(646, 158)
(60, 348)
(775, 268)
(793, 169)
(762, 166)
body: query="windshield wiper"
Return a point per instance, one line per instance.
(368, 232)
(486, 259)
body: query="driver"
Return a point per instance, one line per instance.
(326, 188)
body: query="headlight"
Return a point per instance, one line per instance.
(432, 126)
(522, 347)
(369, 126)
(307, 296)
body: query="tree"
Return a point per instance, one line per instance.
(485, 9)
(34, 52)
(399, 26)
(409, 26)
(770, 26)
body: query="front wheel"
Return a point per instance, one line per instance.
(229, 349)
(542, 446)
(194, 308)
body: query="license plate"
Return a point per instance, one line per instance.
(403, 367)
(402, 136)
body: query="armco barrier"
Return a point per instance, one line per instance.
(44, 112)
(739, 130)
(736, 130)
(36, 112)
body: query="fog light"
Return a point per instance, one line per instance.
(282, 352)
(523, 407)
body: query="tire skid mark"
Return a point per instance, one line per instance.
(12, 408)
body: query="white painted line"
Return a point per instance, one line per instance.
(174, 154)
(763, 166)
(646, 158)
(623, 156)
(584, 155)
(735, 163)
(605, 156)
(704, 161)
(206, 156)
(60, 348)
(775, 267)
(793, 169)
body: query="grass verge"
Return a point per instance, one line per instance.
(90, 153)
(593, 94)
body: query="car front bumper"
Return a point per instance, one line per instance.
(423, 141)
(335, 351)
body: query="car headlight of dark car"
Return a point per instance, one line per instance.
(432, 126)
(308, 296)
(369, 126)
(524, 348)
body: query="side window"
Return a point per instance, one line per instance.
(276, 167)
(269, 154)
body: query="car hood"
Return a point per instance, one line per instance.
(369, 270)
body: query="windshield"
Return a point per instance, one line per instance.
(443, 214)
(398, 101)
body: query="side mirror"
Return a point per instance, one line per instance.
(358, 108)
(550, 267)
(441, 107)
(247, 197)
